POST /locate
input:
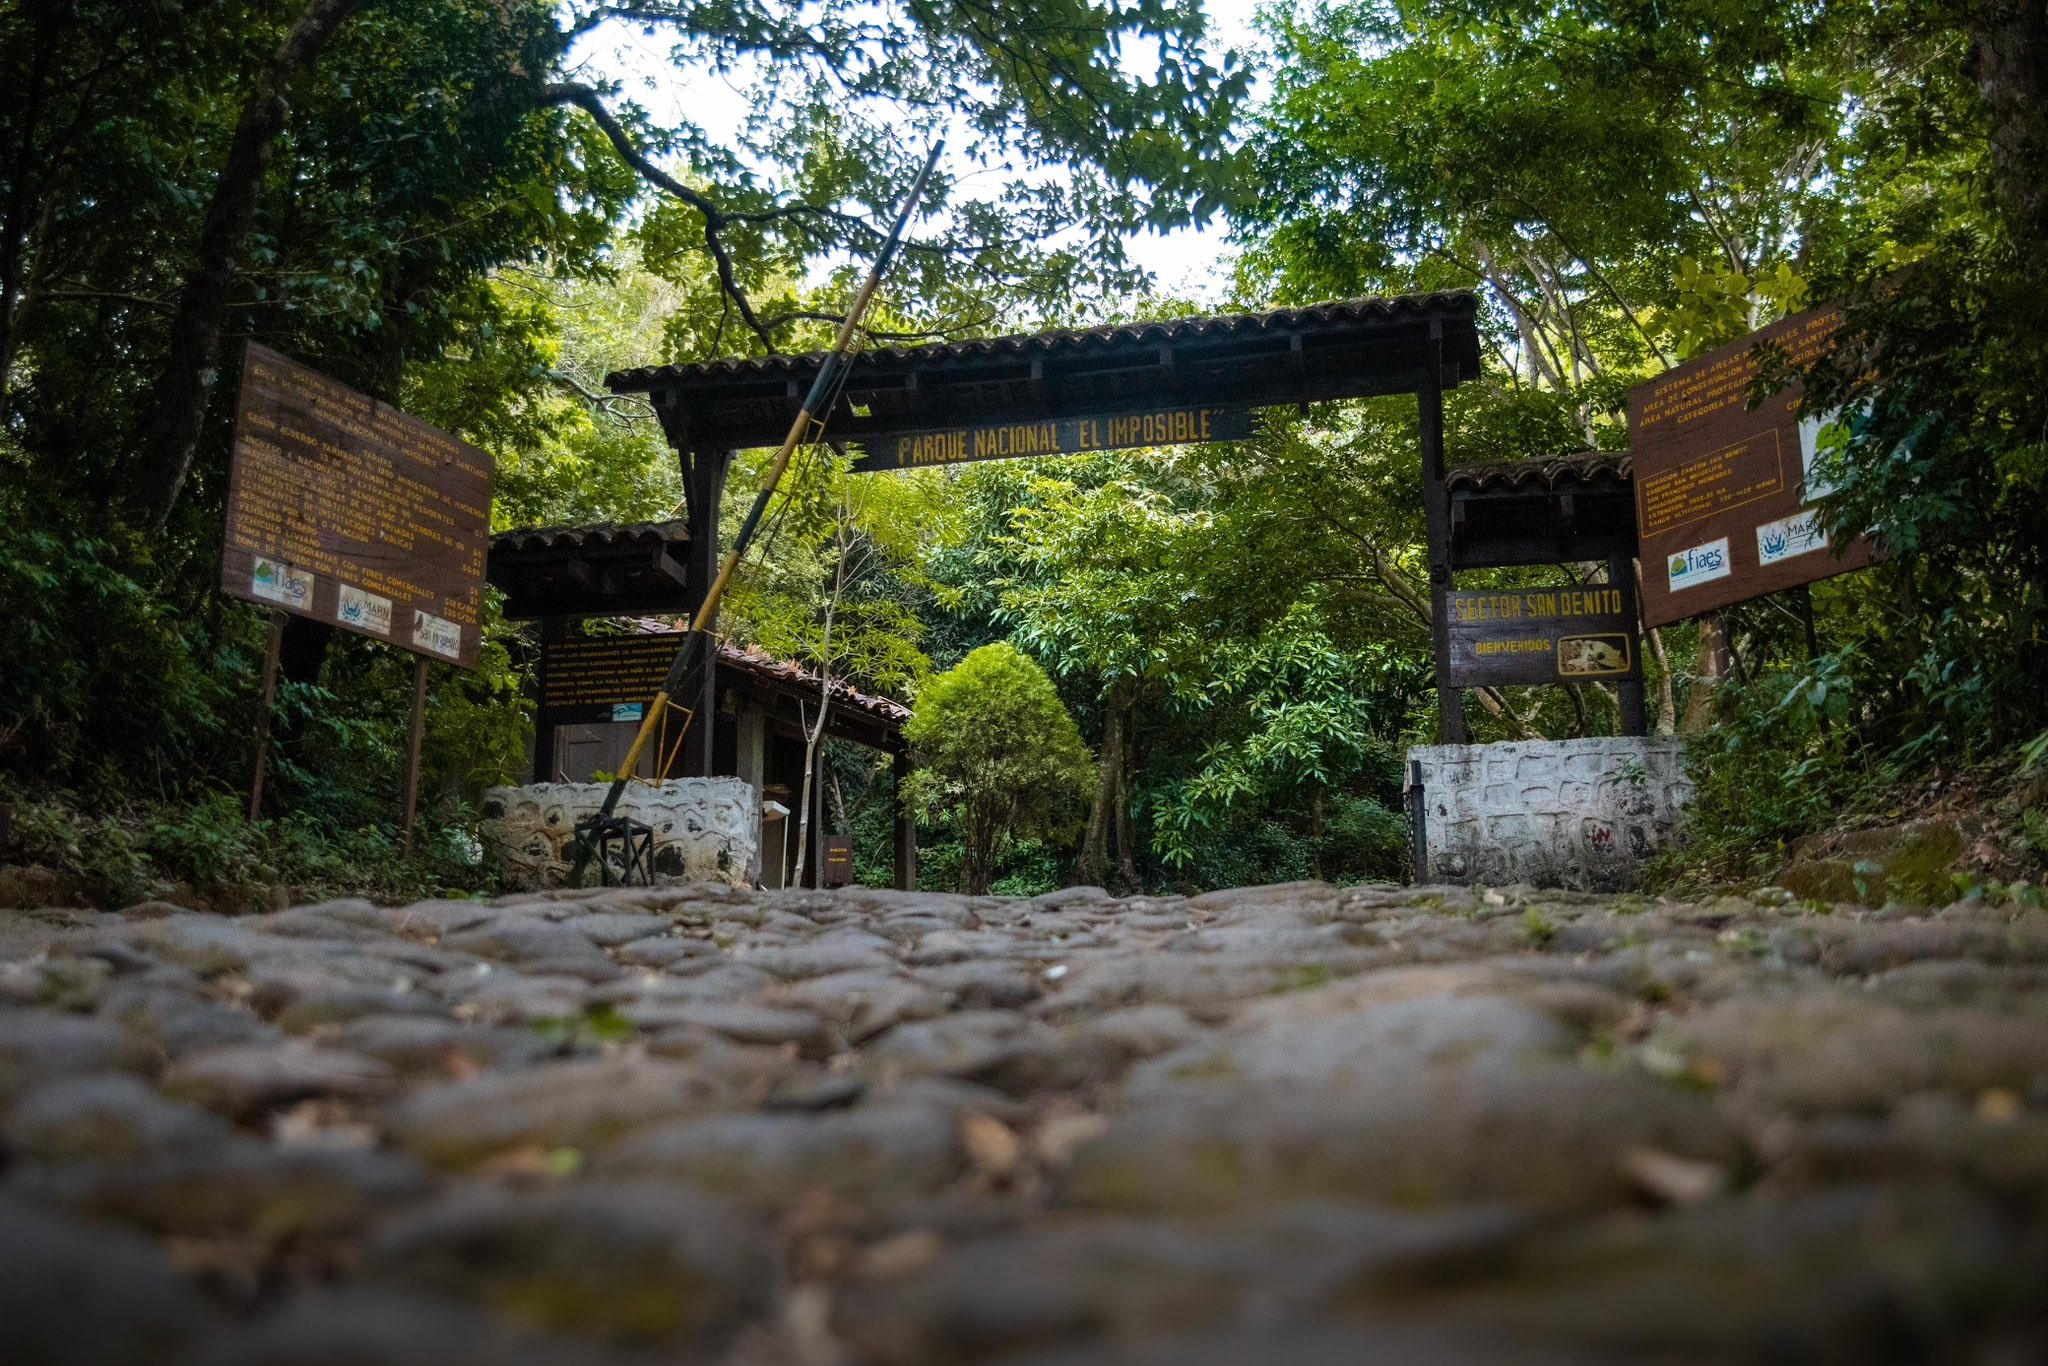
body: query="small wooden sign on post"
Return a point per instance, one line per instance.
(346, 511)
(1724, 491)
(838, 861)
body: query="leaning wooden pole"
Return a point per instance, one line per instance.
(818, 400)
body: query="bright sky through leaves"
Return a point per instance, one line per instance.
(1191, 263)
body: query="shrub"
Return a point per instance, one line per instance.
(998, 752)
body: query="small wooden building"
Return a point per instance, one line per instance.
(593, 589)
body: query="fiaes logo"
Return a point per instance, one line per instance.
(281, 583)
(1701, 564)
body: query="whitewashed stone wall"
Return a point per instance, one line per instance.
(1581, 814)
(705, 829)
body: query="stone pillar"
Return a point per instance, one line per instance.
(1583, 814)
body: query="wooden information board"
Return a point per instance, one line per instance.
(603, 678)
(347, 511)
(1540, 635)
(1721, 497)
(1061, 436)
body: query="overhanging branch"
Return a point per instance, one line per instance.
(715, 218)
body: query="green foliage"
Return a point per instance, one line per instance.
(1781, 763)
(99, 670)
(1289, 713)
(1626, 196)
(1249, 621)
(203, 848)
(439, 226)
(998, 752)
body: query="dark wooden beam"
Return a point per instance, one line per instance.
(669, 567)
(1436, 497)
(1635, 709)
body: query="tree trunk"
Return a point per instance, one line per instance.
(1317, 824)
(803, 819)
(1126, 840)
(1092, 869)
(1708, 677)
(814, 734)
(185, 388)
(985, 827)
(2009, 61)
(1667, 696)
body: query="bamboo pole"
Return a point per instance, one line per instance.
(814, 404)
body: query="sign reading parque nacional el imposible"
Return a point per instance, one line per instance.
(1539, 635)
(1052, 436)
(347, 511)
(1723, 490)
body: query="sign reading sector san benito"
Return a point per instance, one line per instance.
(1724, 492)
(1052, 436)
(1540, 635)
(347, 511)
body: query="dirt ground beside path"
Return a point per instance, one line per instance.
(1292, 1124)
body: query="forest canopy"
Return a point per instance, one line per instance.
(451, 205)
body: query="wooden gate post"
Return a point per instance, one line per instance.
(1436, 503)
(1635, 709)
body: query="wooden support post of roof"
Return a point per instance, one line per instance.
(1634, 705)
(1436, 497)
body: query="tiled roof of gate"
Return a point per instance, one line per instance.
(1400, 308)
(1542, 475)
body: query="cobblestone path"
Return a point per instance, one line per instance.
(1284, 1125)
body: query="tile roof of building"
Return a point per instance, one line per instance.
(757, 662)
(1542, 475)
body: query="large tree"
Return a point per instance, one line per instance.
(337, 175)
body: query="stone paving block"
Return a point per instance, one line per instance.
(1300, 1123)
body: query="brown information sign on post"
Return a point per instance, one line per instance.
(602, 678)
(1721, 489)
(347, 511)
(1053, 436)
(1540, 635)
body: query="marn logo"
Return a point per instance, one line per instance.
(1790, 536)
